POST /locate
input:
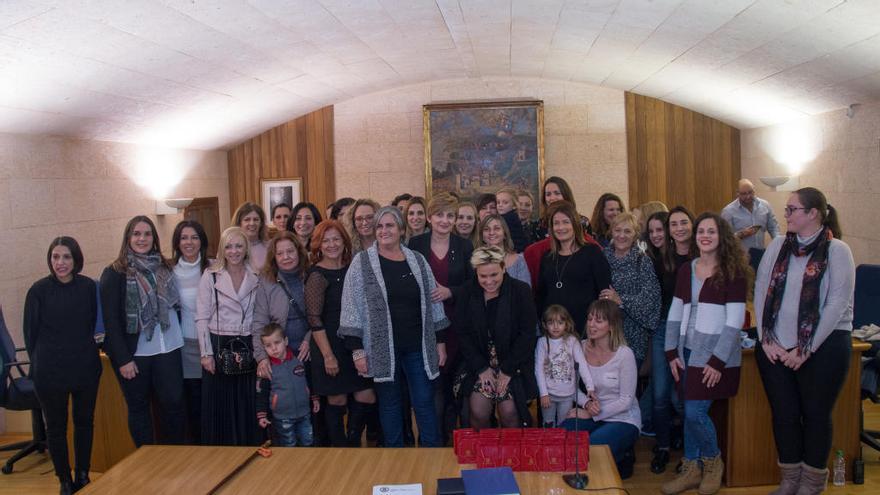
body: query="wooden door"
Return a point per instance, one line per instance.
(206, 211)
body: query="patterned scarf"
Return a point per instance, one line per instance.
(808, 308)
(150, 293)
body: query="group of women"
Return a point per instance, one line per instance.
(429, 305)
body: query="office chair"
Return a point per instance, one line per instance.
(17, 394)
(866, 310)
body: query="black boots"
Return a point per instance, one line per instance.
(66, 484)
(334, 417)
(359, 414)
(660, 460)
(80, 479)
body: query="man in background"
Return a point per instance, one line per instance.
(750, 217)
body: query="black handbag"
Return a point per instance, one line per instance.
(236, 357)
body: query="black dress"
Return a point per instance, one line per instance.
(573, 281)
(323, 298)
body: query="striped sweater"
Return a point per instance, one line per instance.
(715, 340)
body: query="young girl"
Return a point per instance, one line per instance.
(555, 358)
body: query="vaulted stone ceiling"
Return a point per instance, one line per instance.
(209, 73)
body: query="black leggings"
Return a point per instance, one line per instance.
(802, 400)
(160, 376)
(54, 404)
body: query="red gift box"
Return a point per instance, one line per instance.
(465, 445)
(581, 448)
(510, 453)
(552, 453)
(489, 454)
(530, 456)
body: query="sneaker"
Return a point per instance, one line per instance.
(649, 433)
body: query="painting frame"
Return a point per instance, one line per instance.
(507, 114)
(285, 190)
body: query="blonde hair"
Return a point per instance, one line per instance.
(625, 217)
(486, 255)
(351, 228)
(442, 202)
(225, 237)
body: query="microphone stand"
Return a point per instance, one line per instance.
(578, 480)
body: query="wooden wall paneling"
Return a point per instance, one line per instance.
(302, 148)
(679, 156)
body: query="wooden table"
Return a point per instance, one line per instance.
(111, 439)
(745, 428)
(195, 470)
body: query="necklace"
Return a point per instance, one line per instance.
(564, 266)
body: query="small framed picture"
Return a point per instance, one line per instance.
(277, 191)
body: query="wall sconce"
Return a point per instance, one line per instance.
(775, 182)
(172, 206)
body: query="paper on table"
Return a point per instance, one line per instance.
(414, 489)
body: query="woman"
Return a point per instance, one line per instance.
(302, 222)
(280, 299)
(449, 258)
(496, 330)
(251, 218)
(669, 243)
(612, 414)
(415, 217)
(340, 207)
(703, 345)
(139, 298)
(803, 304)
(393, 329)
(634, 285)
(359, 224)
(466, 222)
(333, 373)
(224, 322)
(607, 207)
(554, 189)
(645, 210)
(280, 215)
(572, 273)
(494, 233)
(60, 313)
(189, 249)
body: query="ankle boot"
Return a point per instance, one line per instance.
(812, 480)
(358, 412)
(66, 484)
(791, 479)
(80, 479)
(334, 419)
(660, 460)
(688, 478)
(713, 470)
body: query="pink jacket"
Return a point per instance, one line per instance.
(233, 313)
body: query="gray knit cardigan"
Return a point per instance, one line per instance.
(365, 313)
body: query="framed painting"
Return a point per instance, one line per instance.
(276, 191)
(477, 148)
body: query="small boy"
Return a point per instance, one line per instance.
(286, 393)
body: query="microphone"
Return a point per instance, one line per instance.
(578, 480)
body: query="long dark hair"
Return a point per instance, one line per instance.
(732, 259)
(568, 210)
(564, 188)
(203, 242)
(669, 250)
(120, 264)
(654, 252)
(75, 253)
(601, 228)
(299, 206)
(811, 198)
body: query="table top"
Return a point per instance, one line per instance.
(195, 470)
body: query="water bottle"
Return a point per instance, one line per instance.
(839, 469)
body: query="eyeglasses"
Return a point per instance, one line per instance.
(791, 209)
(366, 219)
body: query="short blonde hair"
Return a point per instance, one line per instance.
(487, 255)
(225, 237)
(625, 217)
(442, 202)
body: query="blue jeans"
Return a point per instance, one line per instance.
(663, 387)
(421, 393)
(619, 437)
(700, 437)
(292, 432)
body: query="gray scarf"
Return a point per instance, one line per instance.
(150, 293)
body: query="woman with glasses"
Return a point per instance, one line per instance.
(804, 309)
(394, 329)
(358, 222)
